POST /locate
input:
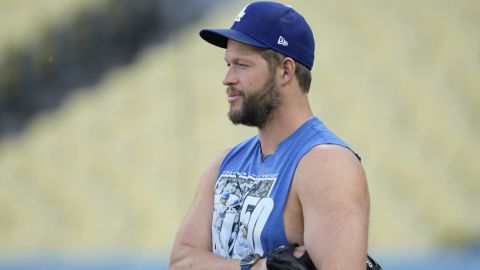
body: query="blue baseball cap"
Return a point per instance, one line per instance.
(269, 25)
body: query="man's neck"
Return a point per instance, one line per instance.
(282, 124)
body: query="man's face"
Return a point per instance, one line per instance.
(252, 89)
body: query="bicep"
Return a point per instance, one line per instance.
(332, 189)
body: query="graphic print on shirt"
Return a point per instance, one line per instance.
(241, 209)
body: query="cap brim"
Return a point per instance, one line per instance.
(220, 37)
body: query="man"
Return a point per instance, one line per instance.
(296, 182)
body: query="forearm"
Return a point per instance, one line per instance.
(185, 257)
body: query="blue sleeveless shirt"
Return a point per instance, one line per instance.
(251, 191)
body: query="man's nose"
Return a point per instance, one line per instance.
(230, 77)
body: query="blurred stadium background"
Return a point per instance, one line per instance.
(109, 110)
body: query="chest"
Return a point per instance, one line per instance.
(248, 212)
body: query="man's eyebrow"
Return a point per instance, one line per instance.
(236, 60)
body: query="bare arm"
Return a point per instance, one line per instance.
(192, 248)
(333, 192)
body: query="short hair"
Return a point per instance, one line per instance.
(303, 74)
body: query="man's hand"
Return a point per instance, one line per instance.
(299, 251)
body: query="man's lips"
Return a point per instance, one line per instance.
(234, 96)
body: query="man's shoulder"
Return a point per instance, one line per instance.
(328, 160)
(215, 164)
(331, 151)
(331, 172)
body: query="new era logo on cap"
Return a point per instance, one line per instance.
(282, 41)
(268, 25)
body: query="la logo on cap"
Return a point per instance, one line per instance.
(241, 14)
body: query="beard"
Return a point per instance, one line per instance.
(258, 106)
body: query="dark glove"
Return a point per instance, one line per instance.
(282, 259)
(372, 265)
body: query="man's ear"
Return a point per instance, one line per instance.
(287, 66)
